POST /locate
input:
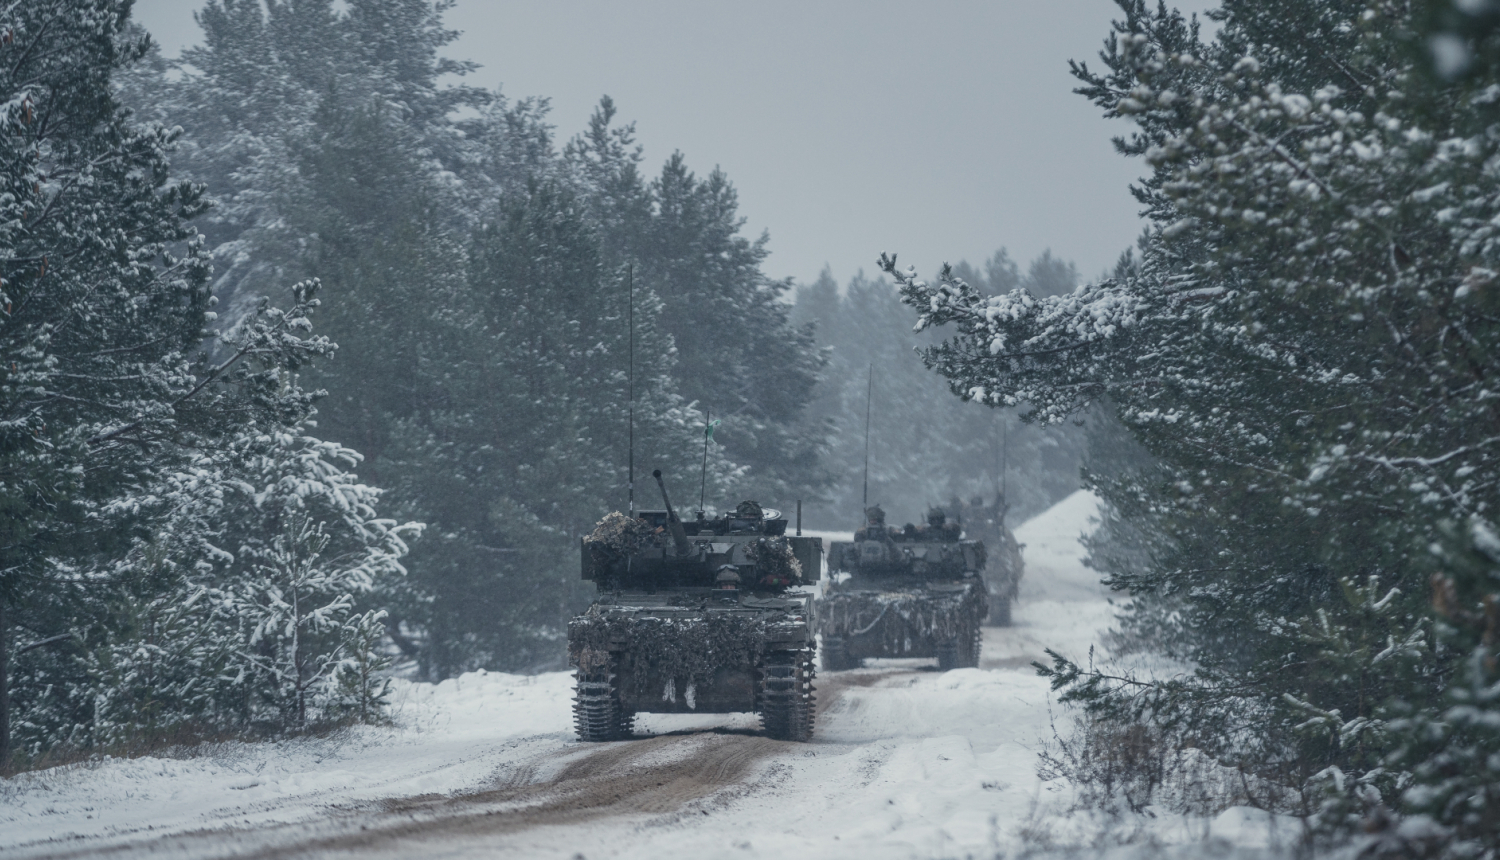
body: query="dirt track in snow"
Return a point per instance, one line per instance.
(648, 776)
(687, 773)
(681, 772)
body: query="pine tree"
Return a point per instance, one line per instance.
(926, 447)
(738, 354)
(130, 423)
(104, 294)
(1303, 347)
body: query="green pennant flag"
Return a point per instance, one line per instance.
(708, 429)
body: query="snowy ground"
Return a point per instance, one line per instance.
(907, 763)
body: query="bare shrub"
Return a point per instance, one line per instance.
(1137, 767)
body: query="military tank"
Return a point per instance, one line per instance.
(698, 617)
(910, 592)
(1003, 571)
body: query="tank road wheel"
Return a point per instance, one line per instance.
(786, 695)
(836, 654)
(597, 712)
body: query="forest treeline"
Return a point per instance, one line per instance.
(1304, 357)
(926, 446)
(317, 359)
(187, 245)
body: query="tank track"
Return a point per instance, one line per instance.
(836, 655)
(598, 714)
(786, 694)
(963, 652)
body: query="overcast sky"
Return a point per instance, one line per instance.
(938, 130)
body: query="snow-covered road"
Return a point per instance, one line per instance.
(907, 763)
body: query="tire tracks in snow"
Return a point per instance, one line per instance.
(649, 776)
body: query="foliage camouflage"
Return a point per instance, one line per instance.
(773, 557)
(616, 537)
(686, 648)
(897, 619)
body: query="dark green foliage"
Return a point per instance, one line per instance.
(1449, 743)
(104, 293)
(148, 461)
(926, 447)
(738, 353)
(1303, 352)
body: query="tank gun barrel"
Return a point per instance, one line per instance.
(674, 525)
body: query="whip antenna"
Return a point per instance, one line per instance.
(1002, 467)
(869, 388)
(708, 432)
(630, 387)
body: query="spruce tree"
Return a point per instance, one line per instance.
(134, 418)
(926, 447)
(1303, 347)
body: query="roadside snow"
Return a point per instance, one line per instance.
(446, 737)
(907, 762)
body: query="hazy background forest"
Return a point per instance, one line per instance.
(467, 270)
(476, 263)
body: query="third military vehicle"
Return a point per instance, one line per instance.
(702, 616)
(908, 592)
(1002, 574)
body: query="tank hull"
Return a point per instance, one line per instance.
(864, 620)
(696, 653)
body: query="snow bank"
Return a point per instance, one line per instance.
(446, 737)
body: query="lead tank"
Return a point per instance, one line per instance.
(702, 616)
(909, 592)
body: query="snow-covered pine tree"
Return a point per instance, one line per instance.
(126, 435)
(303, 630)
(737, 352)
(263, 94)
(926, 447)
(1304, 347)
(104, 294)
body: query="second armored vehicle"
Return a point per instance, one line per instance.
(912, 592)
(696, 617)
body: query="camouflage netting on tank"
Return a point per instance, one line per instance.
(615, 537)
(773, 556)
(896, 617)
(686, 648)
